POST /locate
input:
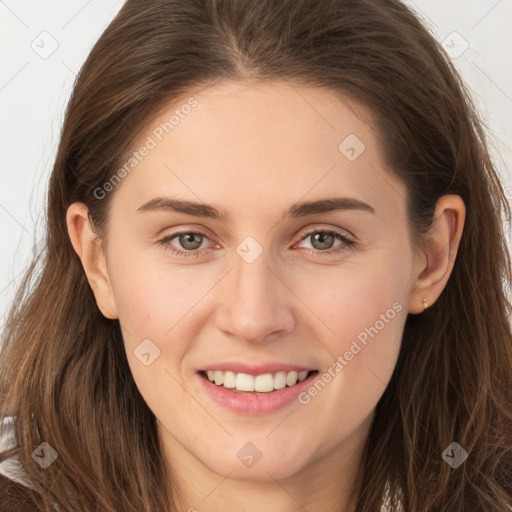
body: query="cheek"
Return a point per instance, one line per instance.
(155, 303)
(362, 309)
(152, 296)
(354, 296)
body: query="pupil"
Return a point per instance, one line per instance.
(190, 241)
(323, 238)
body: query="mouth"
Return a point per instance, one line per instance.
(267, 383)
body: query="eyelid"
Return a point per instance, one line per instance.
(323, 228)
(303, 232)
(348, 242)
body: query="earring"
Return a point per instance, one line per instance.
(425, 304)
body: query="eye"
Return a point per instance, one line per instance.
(191, 241)
(322, 243)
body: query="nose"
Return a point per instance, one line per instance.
(254, 302)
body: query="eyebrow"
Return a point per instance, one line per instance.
(297, 210)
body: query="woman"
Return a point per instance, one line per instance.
(274, 276)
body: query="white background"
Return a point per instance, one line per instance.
(34, 92)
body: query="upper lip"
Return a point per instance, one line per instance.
(255, 369)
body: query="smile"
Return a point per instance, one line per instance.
(264, 383)
(254, 394)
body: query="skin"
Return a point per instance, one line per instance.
(254, 149)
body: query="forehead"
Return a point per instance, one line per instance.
(253, 146)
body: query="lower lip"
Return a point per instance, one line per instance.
(254, 403)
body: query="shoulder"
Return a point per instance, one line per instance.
(14, 495)
(387, 499)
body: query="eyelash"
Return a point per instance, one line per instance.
(346, 243)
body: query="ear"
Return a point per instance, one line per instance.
(89, 249)
(434, 264)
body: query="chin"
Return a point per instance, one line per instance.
(264, 470)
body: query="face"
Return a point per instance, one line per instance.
(296, 276)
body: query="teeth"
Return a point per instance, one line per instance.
(244, 382)
(261, 383)
(280, 380)
(229, 380)
(302, 375)
(264, 383)
(291, 378)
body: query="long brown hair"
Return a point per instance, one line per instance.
(64, 373)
